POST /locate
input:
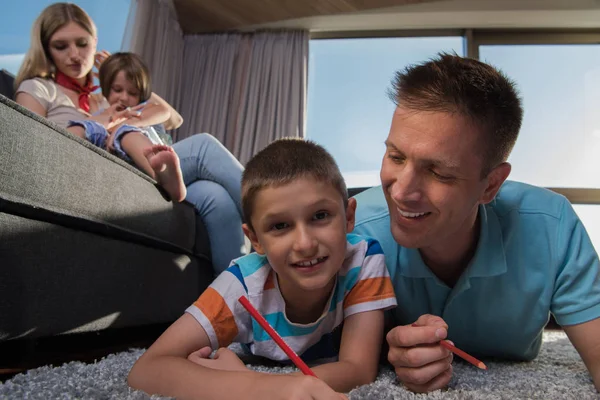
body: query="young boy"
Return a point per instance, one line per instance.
(310, 278)
(125, 82)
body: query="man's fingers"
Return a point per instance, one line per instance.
(438, 382)
(430, 320)
(424, 374)
(408, 336)
(418, 356)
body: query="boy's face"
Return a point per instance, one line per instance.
(301, 227)
(123, 92)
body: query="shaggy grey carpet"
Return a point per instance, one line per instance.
(558, 373)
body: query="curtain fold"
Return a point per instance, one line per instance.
(154, 33)
(246, 89)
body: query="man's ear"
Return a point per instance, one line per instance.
(350, 214)
(495, 179)
(253, 239)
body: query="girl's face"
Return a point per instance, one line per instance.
(123, 91)
(72, 50)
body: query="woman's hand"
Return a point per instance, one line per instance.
(99, 58)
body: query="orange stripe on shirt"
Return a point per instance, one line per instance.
(370, 289)
(213, 306)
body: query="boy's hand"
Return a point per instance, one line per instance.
(421, 364)
(224, 359)
(292, 387)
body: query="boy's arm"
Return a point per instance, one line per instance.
(164, 369)
(586, 339)
(358, 363)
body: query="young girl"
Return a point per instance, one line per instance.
(125, 83)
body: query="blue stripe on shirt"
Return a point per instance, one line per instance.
(252, 263)
(235, 270)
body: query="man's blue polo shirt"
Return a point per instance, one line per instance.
(533, 257)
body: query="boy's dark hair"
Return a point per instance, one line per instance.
(284, 161)
(476, 90)
(135, 70)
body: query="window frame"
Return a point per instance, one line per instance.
(473, 39)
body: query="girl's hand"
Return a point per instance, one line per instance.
(99, 58)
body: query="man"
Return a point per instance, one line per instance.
(473, 257)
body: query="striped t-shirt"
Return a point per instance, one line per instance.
(362, 284)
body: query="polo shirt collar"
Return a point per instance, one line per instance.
(489, 259)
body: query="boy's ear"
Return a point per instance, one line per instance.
(253, 239)
(350, 214)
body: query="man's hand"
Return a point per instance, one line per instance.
(223, 359)
(421, 364)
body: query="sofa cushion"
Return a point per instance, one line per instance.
(48, 174)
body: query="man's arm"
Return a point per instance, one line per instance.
(586, 339)
(359, 353)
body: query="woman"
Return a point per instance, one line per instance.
(55, 81)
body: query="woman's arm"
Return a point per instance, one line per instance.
(359, 353)
(174, 120)
(157, 111)
(28, 101)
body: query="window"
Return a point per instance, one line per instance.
(348, 110)
(559, 143)
(17, 19)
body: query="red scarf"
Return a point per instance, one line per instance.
(83, 91)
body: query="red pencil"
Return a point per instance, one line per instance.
(460, 353)
(275, 336)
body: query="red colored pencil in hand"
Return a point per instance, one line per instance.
(467, 357)
(275, 336)
(462, 354)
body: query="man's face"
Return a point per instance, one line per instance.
(431, 177)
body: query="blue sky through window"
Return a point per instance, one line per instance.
(349, 112)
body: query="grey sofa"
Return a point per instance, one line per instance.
(87, 242)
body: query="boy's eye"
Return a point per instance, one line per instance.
(321, 215)
(279, 226)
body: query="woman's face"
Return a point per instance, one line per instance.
(72, 50)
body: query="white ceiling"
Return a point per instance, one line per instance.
(488, 14)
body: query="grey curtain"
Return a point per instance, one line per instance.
(154, 33)
(246, 89)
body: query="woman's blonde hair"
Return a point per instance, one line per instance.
(37, 61)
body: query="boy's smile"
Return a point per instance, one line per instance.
(301, 227)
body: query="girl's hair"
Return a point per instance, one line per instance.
(37, 61)
(135, 70)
